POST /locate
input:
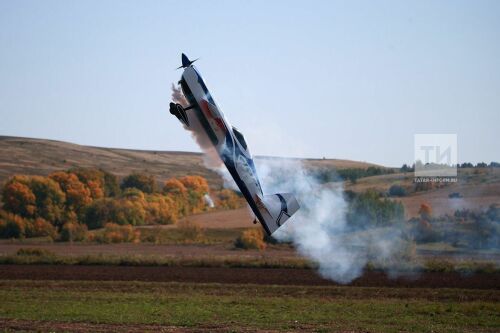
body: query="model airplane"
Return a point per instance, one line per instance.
(204, 117)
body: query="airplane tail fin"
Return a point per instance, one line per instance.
(276, 209)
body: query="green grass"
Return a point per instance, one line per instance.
(35, 256)
(152, 260)
(253, 306)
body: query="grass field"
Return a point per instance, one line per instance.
(222, 307)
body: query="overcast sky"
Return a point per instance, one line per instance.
(348, 79)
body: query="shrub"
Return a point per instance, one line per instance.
(425, 211)
(143, 182)
(111, 187)
(160, 210)
(228, 199)
(11, 225)
(120, 211)
(425, 233)
(190, 231)
(26, 251)
(251, 239)
(114, 233)
(73, 231)
(40, 228)
(397, 191)
(370, 210)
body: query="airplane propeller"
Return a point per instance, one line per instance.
(186, 62)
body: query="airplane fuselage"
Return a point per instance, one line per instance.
(207, 120)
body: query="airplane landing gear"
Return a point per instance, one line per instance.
(180, 112)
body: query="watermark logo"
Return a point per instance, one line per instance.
(436, 157)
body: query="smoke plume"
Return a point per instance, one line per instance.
(210, 157)
(319, 229)
(208, 200)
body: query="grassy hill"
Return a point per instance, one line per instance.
(41, 157)
(19, 155)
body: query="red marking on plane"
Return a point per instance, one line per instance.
(218, 121)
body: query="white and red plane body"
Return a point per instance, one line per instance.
(203, 116)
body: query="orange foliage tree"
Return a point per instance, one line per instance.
(197, 187)
(93, 179)
(40, 228)
(228, 199)
(48, 202)
(160, 209)
(78, 196)
(425, 211)
(178, 193)
(18, 198)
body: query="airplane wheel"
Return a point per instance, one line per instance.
(179, 108)
(173, 108)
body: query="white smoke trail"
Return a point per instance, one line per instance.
(211, 158)
(319, 229)
(208, 200)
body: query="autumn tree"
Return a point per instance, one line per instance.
(72, 231)
(425, 211)
(11, 225)
(48, 198)
(111, 186)
(78, 196)
(40, 227)
(160, 209)
(251, 239)
(143, 182)
(93, 179)
(197, 187)
(18, 198)
(195, 183)
(128, 209)
(228, 199)
(176, 190)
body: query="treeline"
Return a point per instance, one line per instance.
(65, 204)
(411, 168)
(372, 209)
(351, 174)
(464, 229)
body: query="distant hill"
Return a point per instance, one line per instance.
(478, 188)
(40, 157)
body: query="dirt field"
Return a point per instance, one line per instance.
(237, 218)
(242, 276)
(24, 325)
(164, 251)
